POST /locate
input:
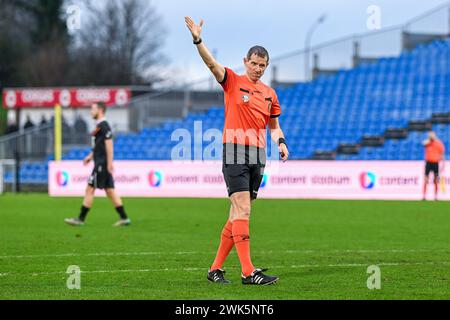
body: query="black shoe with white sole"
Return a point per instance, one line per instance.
(259, 278)
(217, 276)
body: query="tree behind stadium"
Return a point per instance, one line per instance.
(119, 43)
(33, 44)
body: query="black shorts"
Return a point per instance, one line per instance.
(432, 167)
(101, 178)
(243, 170)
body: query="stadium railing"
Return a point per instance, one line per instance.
(8, 168)
(33, 144)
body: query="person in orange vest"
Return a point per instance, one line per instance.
(434, 155)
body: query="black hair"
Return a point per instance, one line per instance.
(259, 51)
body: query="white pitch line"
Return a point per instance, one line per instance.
(345, 265)
(107, 254)
(99, 254)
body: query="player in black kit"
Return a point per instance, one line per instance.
(101, 177)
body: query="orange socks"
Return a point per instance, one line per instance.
(226, 244)
(241, 231)
(236, 233)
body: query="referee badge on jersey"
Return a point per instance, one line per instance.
(245, 98)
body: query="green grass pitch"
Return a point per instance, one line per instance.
(319, 249)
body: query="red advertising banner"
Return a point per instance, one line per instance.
(70, 97)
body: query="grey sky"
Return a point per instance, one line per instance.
(233, 26)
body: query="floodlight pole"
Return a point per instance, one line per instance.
(309, 34)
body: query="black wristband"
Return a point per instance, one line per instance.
(198, 41)
(282, 140)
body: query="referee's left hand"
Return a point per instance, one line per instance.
(284, 152)
(110, 168)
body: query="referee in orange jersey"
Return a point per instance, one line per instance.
(250, 106)
(434, 154)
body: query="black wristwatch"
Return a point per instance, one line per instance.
(282, 140)
(198, 41)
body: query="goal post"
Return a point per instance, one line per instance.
(58, 132)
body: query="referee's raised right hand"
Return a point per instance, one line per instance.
(195, 29)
